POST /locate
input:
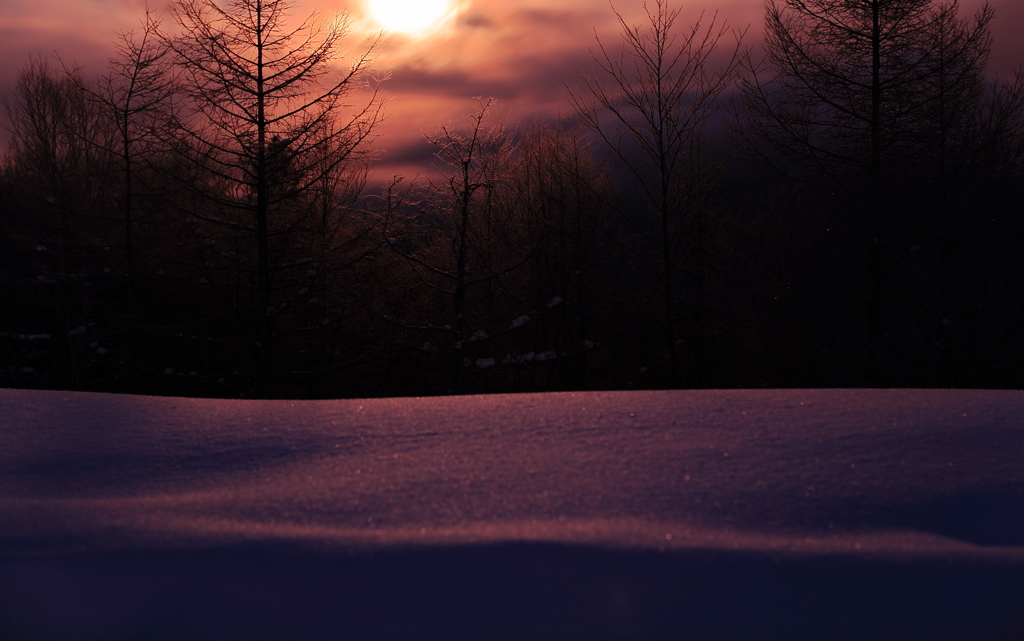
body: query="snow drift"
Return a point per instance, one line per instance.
(750, 514)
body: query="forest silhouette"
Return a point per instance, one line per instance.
(840, 207)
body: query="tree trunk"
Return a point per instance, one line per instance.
(264, 312)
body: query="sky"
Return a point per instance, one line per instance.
(518, 52)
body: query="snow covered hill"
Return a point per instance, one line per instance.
(748, 514)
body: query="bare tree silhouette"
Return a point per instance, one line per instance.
(266, 119)
(135, 95)
(651, 106)
(467, 236)
(847, 89)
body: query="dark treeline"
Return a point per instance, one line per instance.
(842, 207)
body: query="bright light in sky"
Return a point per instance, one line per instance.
(408, 16)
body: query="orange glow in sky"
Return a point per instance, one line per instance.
(438, 54)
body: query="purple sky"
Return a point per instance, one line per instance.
(516, 51)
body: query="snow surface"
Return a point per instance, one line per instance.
(747, 514)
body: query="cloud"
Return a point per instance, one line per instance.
(82, 33)
(1008, 46)
(412, 80)
(519, 52)
(476, 21)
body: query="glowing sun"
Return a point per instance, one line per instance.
(409, 16)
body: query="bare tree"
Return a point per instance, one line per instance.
(652, 106)
(51, 126)
(268, 121)
(1003, 128)
(951, 96)
(561, 191)
(848, 87)
(60, 178)
(464, 241)
(135, 96)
